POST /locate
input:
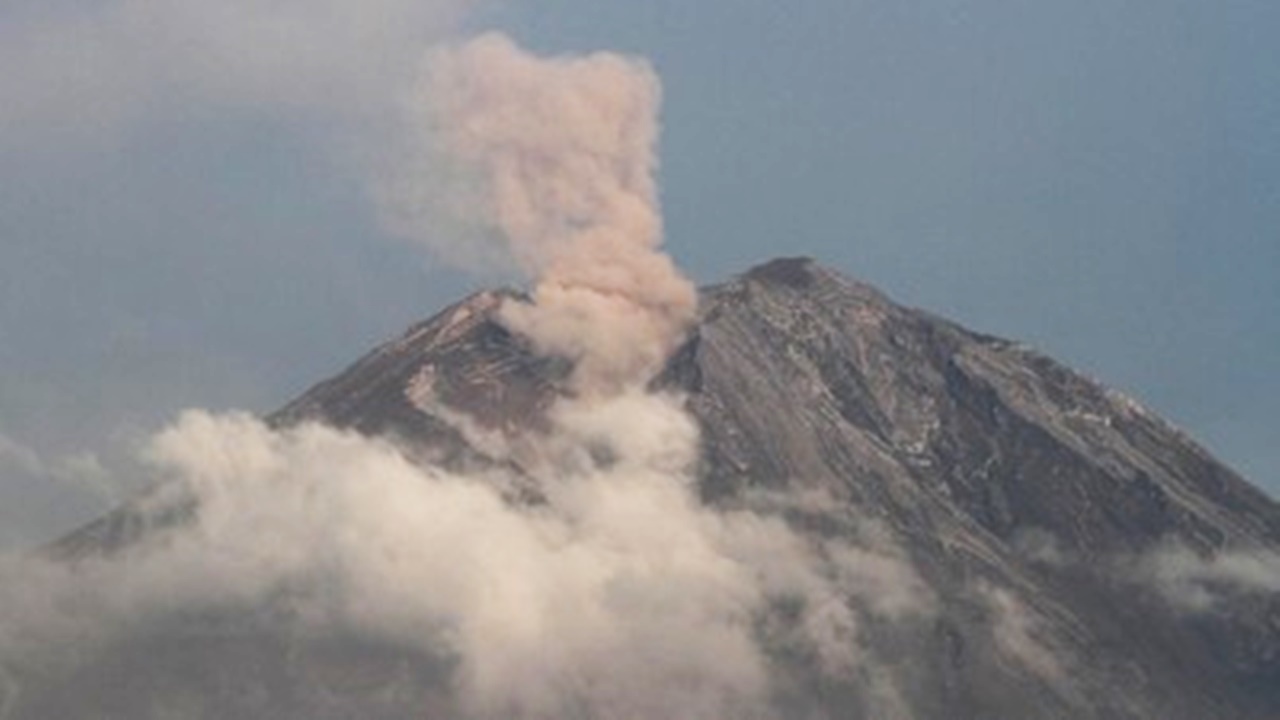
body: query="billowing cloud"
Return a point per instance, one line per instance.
(621, 593)
(551, 162)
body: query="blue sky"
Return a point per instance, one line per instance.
(182, 220)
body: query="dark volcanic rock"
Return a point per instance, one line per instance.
(1030, 499)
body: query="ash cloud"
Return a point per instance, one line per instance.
(551, 162)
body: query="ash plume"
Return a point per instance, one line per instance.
(553, 159)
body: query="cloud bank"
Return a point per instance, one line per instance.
(620, 594)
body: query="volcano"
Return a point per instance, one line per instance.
(1083, 558)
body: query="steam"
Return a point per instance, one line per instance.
(553, 161)
(619, 587)
(622, 594)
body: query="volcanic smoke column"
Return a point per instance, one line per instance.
(557, 159)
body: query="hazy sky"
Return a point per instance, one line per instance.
(185, 217)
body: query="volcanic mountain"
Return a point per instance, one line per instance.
(1081, 557)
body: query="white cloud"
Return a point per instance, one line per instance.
(621, 592)
(1198, 583)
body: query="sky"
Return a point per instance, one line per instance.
(189, 214)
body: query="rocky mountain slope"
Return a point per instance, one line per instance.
(1079, 557)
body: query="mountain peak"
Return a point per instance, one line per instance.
(797, 272)
(806, 278)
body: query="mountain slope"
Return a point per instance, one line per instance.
(1080, 557)
(1018, 487)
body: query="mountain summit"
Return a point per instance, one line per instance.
(1022, 542)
